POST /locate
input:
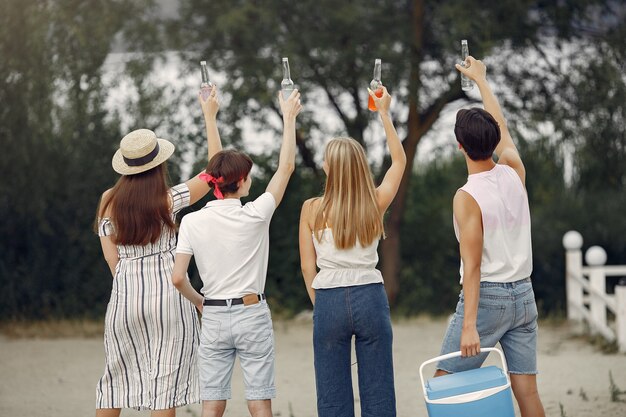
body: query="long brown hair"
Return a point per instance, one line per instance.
(139, 207)
(349, 205)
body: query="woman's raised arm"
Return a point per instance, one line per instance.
(199, 188)
(388, 188)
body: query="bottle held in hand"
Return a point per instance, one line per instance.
(206, 86)
(287, 85)
(466, 83)
(376, 85)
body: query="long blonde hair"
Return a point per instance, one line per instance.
(349, 205)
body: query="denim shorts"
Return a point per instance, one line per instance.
(236, 330)
(507, 313)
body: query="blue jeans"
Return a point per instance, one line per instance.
(507, 313)
(340, 313)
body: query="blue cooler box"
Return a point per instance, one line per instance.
(482, 392)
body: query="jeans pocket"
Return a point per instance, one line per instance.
(210, 331)
(256, 333)
(489, 318)
(530, 315)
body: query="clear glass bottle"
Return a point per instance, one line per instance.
(376, 85)
(466, 83)
(206, 86)
(287, 85)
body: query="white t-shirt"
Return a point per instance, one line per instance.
(230, 243)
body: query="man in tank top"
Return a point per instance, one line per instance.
(492, 225)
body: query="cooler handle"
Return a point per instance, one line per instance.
(454, 355)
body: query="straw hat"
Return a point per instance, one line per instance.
(139, 151)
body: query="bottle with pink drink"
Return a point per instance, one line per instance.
(206, 86)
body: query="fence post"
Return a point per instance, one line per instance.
(573, 242)
(620, 315)
(596, 258)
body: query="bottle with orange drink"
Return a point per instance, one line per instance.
(376, 85)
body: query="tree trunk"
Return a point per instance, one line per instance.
(418, 124)
(390, 247)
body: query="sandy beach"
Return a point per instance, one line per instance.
(57, 377)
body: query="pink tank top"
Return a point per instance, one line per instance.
(503, 202)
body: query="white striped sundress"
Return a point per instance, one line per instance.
(151, 331)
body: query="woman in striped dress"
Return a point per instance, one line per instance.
(151, 332)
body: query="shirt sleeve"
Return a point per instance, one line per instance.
(183, 245)
(180, 197)
(105, 227)
(263, 207)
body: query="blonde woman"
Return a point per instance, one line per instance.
(339, 234)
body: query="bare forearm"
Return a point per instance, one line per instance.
(471, 295)
(287, 157)
(286, 163)
(308, 282)
(113, 265)
(396, 151)
(183, 285)
(214, 142)
(493, 107)
(490, 101)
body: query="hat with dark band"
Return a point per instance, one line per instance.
(139, 151)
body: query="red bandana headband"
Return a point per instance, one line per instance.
(210, 179)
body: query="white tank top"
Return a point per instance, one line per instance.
(503, 202)
(344, 267)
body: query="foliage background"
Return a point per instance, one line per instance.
(558, 68)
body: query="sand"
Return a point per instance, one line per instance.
(57, 377)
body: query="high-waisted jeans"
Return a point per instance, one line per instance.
(340, 313)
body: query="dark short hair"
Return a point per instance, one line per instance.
(478, 132)
(232, 166)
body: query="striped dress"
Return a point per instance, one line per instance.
(151, 331)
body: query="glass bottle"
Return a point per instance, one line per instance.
(466, 83)
(287, 85)
(376, 85)
(206, 86)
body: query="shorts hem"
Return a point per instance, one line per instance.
(215, 394)
(523, 373)
(261, 394)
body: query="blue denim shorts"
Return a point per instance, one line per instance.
(245, 331)
(507, 313)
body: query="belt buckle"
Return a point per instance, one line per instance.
(250, 299)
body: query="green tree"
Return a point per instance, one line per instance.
(331, 46)
(58, 140)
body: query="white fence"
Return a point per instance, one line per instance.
(587, 300)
